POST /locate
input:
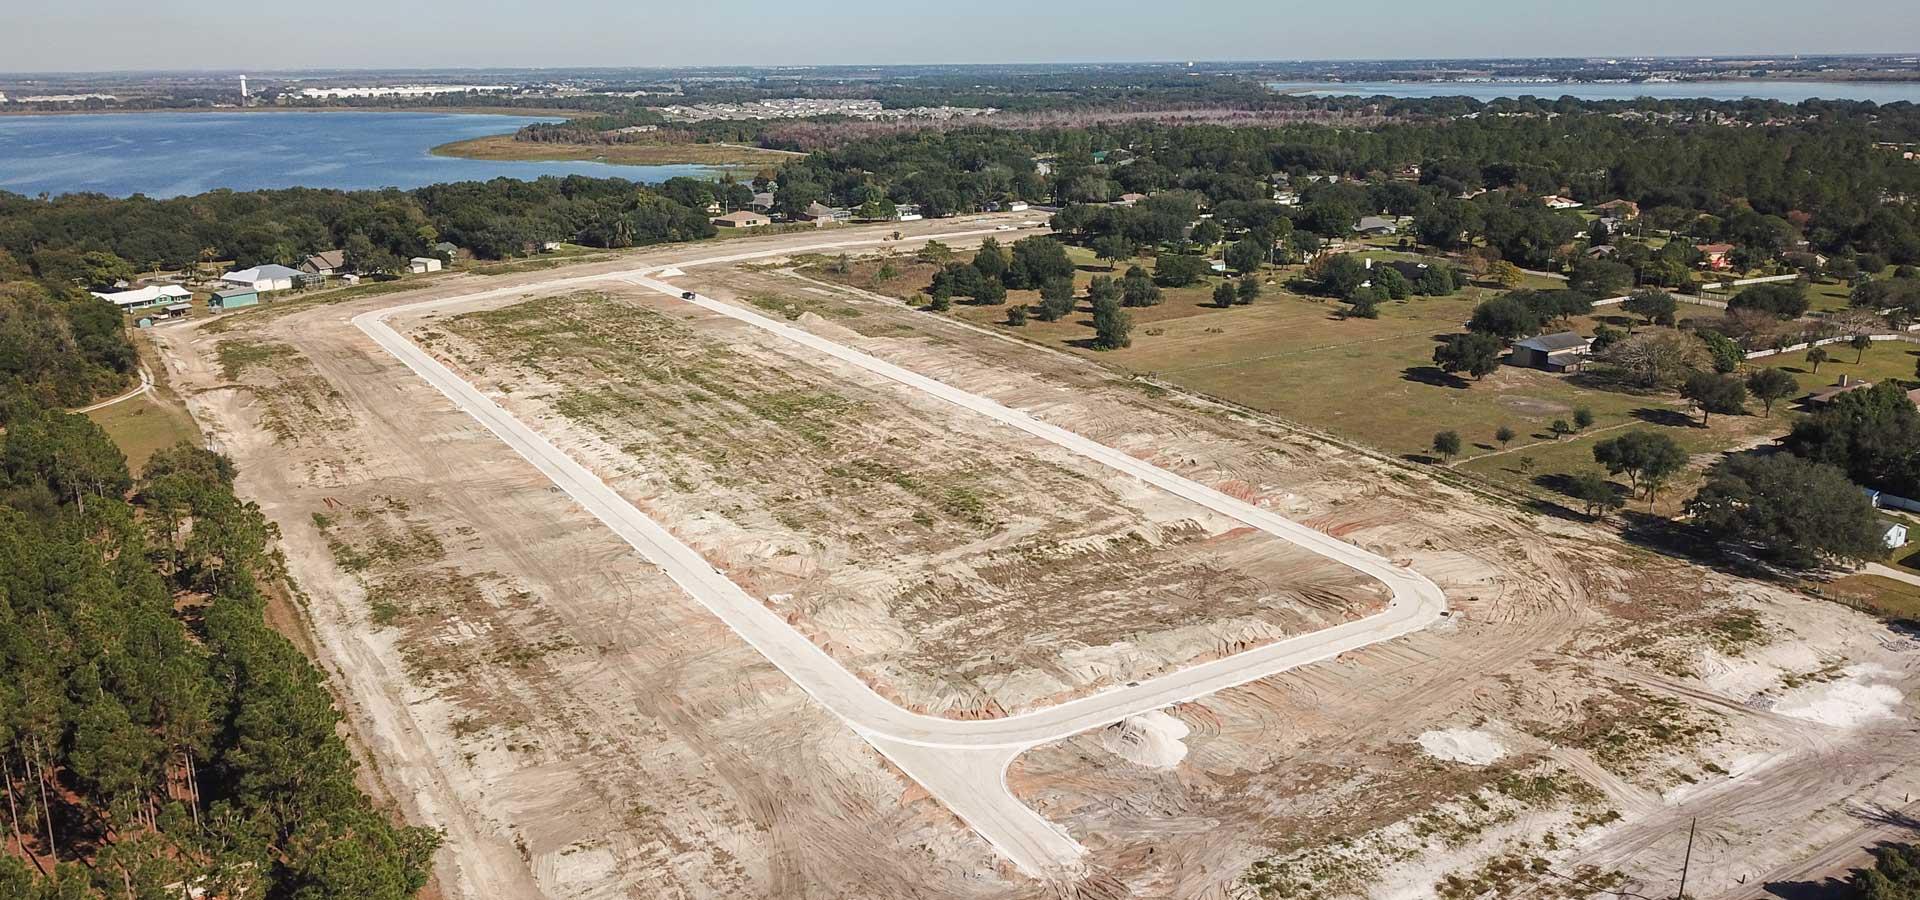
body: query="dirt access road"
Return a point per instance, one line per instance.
(963, 763)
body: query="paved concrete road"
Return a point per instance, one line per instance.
(963, 763)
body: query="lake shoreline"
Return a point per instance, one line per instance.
(735, 158)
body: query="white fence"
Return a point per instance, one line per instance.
(1839, 338)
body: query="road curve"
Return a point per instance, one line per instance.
(962, 762)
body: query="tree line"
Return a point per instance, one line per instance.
(157, 738)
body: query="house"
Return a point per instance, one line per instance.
(1286, 198)
(232, 298)
(549, 246)
(264, 278)
(1559, 352)
(1377, 225)
(326, 262)
(421, 265)
(907, 212)
(1717, 257)
(141, 298)
(741, 219)
(1131, 199)
(446, 249)
(1555, 201)
(821, 214)
(1847, 384)
(763, 200)
(173, 311)
(1625, 209)
(1603, 251)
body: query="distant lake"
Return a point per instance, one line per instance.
(1784, 91)
(169, 154)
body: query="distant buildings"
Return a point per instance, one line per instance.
(1554, 201)
(421, 265)
(1377, 225)
(326, 262)
(232, 298)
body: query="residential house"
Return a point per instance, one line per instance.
(1377, 225)
(1718, 257)
(763, 200)
(907, 212)
(265, 278)
(1286, 198)
(446, 249)
(1131, 199)
(1555, 201)
(421, 265)
(1625, 209)
(326, 262)
(232, 298)
(741, 219)
(1559, 352)
(821, 214)
(141, 298)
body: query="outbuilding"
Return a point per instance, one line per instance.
(1559, 352)
(232, 298)
(421, 265)
(326, 262)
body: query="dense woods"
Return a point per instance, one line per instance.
(493, 219)
(156, 737)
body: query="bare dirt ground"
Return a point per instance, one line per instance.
(581, 730)
(960, 566)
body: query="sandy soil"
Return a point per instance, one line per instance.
(582, 731)
(958, 565)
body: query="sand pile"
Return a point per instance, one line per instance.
(1848, 702)
(1463, 745)
(1150, 739)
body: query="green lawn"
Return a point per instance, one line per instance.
(142, 425)
(1880, 596)
(1884, 360)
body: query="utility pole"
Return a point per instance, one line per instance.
(1687, 862)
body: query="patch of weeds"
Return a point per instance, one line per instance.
(238, 355)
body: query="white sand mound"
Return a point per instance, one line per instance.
(668, 272)
(1463, 745)
(1848, 702)
(1150, 739)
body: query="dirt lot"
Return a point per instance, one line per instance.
(957, 564)
(582, 730)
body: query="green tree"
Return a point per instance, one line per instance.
(1790, 509)
(1447, 444)
(1715, 393)
(1816, 356)
(1647, 458)
(1596, 493)
(1224, 294)
(1582, 418)
(1179, 269)
(1207, 233)
(1017, 315)
(1503, 317)
(1056, 299)
(1725, 355)
(1560, 428)
(1895, 874)
(1436, 281)
(1138, 289)
(934, 252)
(990, 260)
(1657, 307)
(1113, 248)
(1035, 260)
(1245, 256)
(1506, 274)
(1860, 343)
(1768, 384)
(1247, 291)
(1504, 435)
(1474, 353)
(1389, 279)
(1112, 326)
(1599, 277)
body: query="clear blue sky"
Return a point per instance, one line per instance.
(88, 35)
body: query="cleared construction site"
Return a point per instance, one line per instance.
(638, 594)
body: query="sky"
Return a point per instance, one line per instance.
(100, 35)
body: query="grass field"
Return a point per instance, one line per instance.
(143, 425)
(1880, 596)
(503, 146)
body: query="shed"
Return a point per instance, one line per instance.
(232, 298)
(1892, 533)
(174, 311)
(1559, 352)
(421, 265)
(1846, 385)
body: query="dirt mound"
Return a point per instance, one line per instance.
(1152, 739)
(1463, 745)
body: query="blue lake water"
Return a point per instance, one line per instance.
(169, 154)
(1785, 91)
